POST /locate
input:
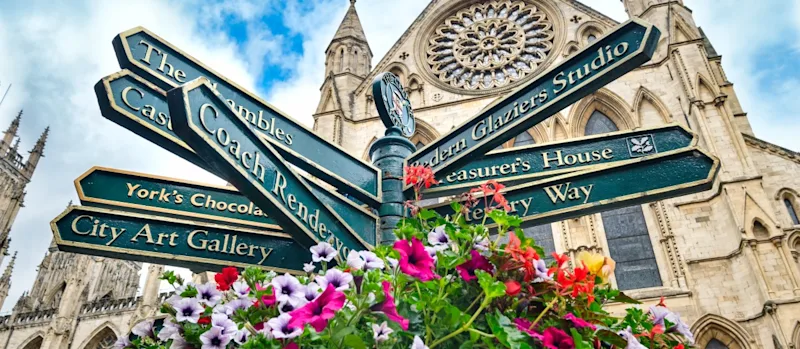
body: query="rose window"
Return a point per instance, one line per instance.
(490, 45)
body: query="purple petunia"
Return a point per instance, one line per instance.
(240, 289)
(660, 313)
(241, 336)
(280, 327)
(438, 238)
(309, 267)
(123, 343)
(633, 343)
(287, 289)
(188, 309)
(337, 278)
(354, 261)
(144, 329)
(208, 294)
(170, 330)
(237, 304)
(215, 339)
(323, 251)
(541, 272)
(311, 291)
(371, 260)
(381, 332)
(221, 320)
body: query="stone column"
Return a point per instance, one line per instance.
(63, 324)
(148, 304)
(388, 154)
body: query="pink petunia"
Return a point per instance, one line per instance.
(319, 311)
(524, 325)
(578, 322)
(477, 262)
(389, 308)
(414, 260)
(557, 339)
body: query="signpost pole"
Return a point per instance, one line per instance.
(388, 154)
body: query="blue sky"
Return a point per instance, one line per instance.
(54, 53)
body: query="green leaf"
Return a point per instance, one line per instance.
(340, 333)
(467, 345)
(491, 287)
(506, 332)
(623, 298)
(611, 338)
(353, 341)
(579, 343)
(426, 214)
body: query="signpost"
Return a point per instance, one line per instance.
(153, 239)
(642, 180)
(139, 106)
(524, 164)
(608, 58)
(164, 65)
(209, 126)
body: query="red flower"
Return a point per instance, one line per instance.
(419, 176)
(512, 288)
(228, 276)
(204, 320)
(477, 262)
(267, 300)
(388, 308)
(491, 189)
(524, 257)
(679, 346)
(557, 339)
(661, 302)
(414, 260)
(291, 345)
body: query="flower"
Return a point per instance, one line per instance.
(354, 261)
(524, 325)
(477, 262)
(438, 238)
(224, 279)
(554, 338)
(392, 262)
(388, 308)
(309, 267)
(170, 330)
(240, 289)
(323, 251)
(414, 260)
(491, 189)
(237, 304)
(418, 344)
(381, 332)
(287, 289)
(633, 343)
(578, 322)
(180, 343)
(597, 264)
(481, 244)
(208, 294)
(188, 309)
(311, 291)
(339, 279)
(419, 176)
(214, 339)
(540, 271)
(240, 337)
(122, 343)
(204, 320)
(371, 260)
(144, 329)
(660, 313)
(319, 311)
(281, 329)
(432, 251)
(221, 320)
(288, 307)
(512, 288)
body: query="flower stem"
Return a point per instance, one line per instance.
(549, 306)
(481, 333)
(462, 328)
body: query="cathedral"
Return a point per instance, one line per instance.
(728, 259)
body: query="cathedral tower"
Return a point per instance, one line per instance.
(348, 62)
(5, 280)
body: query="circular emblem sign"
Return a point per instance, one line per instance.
(392, 103)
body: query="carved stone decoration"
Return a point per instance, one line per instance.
(490, 45)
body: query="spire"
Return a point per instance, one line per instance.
(10, 133)
(15, 148)
(39, 147)
(350, 27)
(710, 50)
(6, 278)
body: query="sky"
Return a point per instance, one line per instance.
(53, 53)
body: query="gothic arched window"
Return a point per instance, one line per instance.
(341, 60)
(104, 339)
(419, 145)
(591, 38)
(34, 344)
(792, 212)
(715, 344)
(524, 138)
(626, 231)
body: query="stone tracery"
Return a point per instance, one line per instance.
(490, 45)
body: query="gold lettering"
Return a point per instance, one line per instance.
(75, 225)
(190, 242)
(202, 116)
(145, 231)
(125, 92)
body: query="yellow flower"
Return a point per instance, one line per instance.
(597, 264)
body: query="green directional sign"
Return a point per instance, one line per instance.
(602, 188)
(525, 164)
(162, 240)
(209, 126)
(139, 106)
(157, 61)
(608, 58)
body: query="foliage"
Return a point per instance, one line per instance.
(443, 284)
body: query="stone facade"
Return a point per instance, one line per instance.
(727, 259)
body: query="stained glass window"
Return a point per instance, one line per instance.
(524, 138)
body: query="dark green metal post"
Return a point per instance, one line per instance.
(388, 154)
